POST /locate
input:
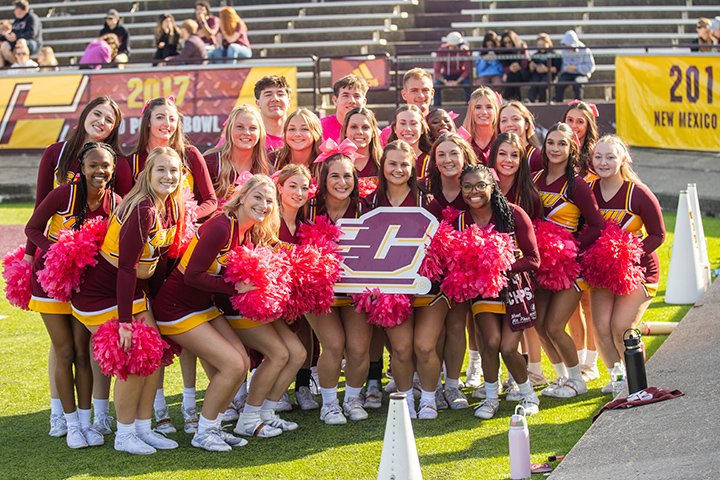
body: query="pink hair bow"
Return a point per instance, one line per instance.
(242, 178)
(453, 115)
(330, 148)
(170, 99)
(591, 106)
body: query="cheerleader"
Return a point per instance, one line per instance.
(409, 125)
(69, 206)
(516, 118)
(242, 151)
(360, 127)
(99, 121)
(138, 235)
(481, 121)
(293, 184)
(566, 198)
(439, 121)
(624, 199)
(342, 332)
(303, 136)
(488, 206)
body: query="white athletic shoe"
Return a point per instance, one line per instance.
(427, 411)
(411, 408)
(456, 399)
(93, 437)
(373, 397)
(390, 387)
(440, 402)
(607, 388)
(191, 419)
(304, 399)
(130, 443)
(332, 414)
(210, 440)
(274, 420)
(75, 437)
(58, 426)
(230, 414)
(163, 424)
(530, 403)
(552, 386)
(589, 372)
(567, 389)
(537, 380)
(157, 440)
(230, 439)
(251, 425)
(488, 408)
(353, 408)
(512, 393)
(103, 424)
(284, 404)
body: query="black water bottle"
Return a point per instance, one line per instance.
(634, 361)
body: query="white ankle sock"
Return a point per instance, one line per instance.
(241, 392)
(125, 428)
(491, 389)
(452, 382)
(535, 367)
(410, 399)
(251, 408)
(329, 395)
(560, 369)
(188, 398)
(72, 419)
(352, 392)
(56, 406)
(525, 388)
(582, 353)
(474, 355)
(143, 426)
(84, 417)
(427, 398)
(101, 406)
(204, 424)
(591, 358)
(574, 372)
(159, 402)
(269, 405)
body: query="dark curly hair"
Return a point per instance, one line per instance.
(501, 210)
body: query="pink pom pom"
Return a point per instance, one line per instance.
(313, 274)
(450, 214)
(438, 253)
(68, 259)
(367, 186)
(312, 191)
(324, 234)
(17, 274)
(186, 227)
(558, 256)
(384, 310)
(471, 273)
(269, 271)
(171, 350)
(613, 261)
(142, 359)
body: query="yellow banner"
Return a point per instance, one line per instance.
(668, 101)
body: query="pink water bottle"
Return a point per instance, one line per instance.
(519, 440)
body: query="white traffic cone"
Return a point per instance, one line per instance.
(686, 277)
(399, 459)
(699, 231)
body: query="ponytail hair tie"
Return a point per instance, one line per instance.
(591, 106)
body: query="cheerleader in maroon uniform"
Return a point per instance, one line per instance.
(409, 125)
(343, 332)
(507, 158)
(624, 199)
(69, 206)
(515, 117)
(481, 121)
(303, 136)
(361, 128)
(139, 234)
(488, 206)
(566, 198)
(98, 122)
(242, 151)
(439, 121)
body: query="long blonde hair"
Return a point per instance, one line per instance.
(260, 163)
(469, 122)
(626, 171)
(143, 187)
(262, 233)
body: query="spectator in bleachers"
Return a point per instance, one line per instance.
(46, 59)
(542, 63)
(578, 65)
(26, 26)
(453, 65)
(231, 41)
(99, 52)
(114, 26)
(22, 58)
(349, 92)
(489, 70)
(193, 48)
(167, 37)
(515, 69)
(705, 39)
(208, 25)
(715, 29)
(272, 96)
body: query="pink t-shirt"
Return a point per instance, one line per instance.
(385, 134)
(330, 127)
(272, 142)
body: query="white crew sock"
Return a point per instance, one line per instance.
(125, 428)
(189, 398)
(352, 392)
(525, 388)
(72, 419)
(574, 373)
(427, 398)
(560, 369)
(142, 426)
(269, 405)
(582, 353)
(159, 403)
(251, 408)
(491, 390)
(452, 383)
(101, 407)
(56, 406)
(84, 417)
(329, 395)
(591, 358)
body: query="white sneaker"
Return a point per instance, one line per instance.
(567, 389)
(481, 394)
(552, 386)
(58, 425)
(512, 393)
(251, 425)
(391, 387)
(488, 408)
(157, 440)
(93, 437)
(163, 424)
(352, 407)
(537, 380)
(130, 443)
(210, 440)
(589, 372)
(427, 412)
(332, 414)
(530, 403)
(440, 402)
(607, 388)
(191, 419)
(75, 437)
(373, 397)
(274, 420)
(231, 440)
(411, 408)
(304, 399)
(103, 424)
(456, 399)
(284, 404)
(230, 414)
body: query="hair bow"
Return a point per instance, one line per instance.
(591, 106)
(242, 178)
(170, 99)
(453, 115)
(330, 148)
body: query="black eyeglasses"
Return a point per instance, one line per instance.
(478, 187)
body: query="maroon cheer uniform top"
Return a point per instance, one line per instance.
(534, 158)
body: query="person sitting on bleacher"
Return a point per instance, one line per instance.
(231, 41)
(22, 59)
(26, 26)
(715, 28)
(488, 69)
(705, 39)
(578, 65)
(167, 37)
(99, 52)
(515, 66)
(193, 48)
(208, 25)
(113, 25)
(542, 63)
(453, 66)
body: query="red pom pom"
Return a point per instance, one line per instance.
(324, 234)
(613, 261)
(384, 310)
(558, 249)
(68, 259)
(269, 271)
(17, 274)
(186, 226)
(313, 274)
(142, 359)
(367, 186)
(439, 252)
(450, 213)
(170, 351)
(471, 273)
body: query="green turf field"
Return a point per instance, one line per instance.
(457, 445)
